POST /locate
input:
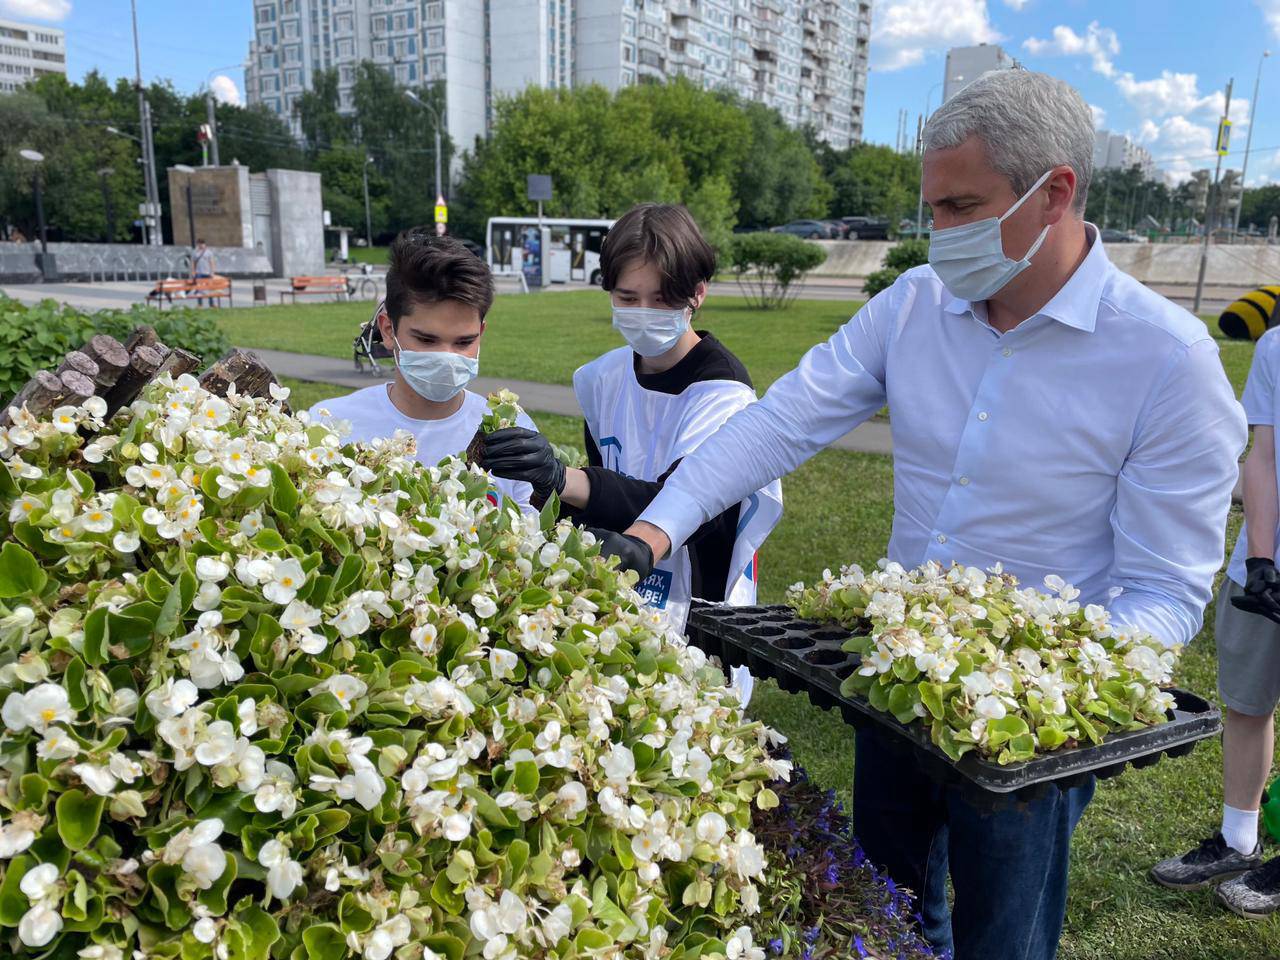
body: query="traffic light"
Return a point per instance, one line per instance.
(1200, 192)
(1232, 188)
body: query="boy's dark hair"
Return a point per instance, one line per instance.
(667, 236)
(424, 268)
(199, 240)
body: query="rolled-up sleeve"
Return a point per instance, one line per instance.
(1172, 497)
(837, 385)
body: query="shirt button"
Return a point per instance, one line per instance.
(1007, 352)
(942, 538)
(964, 481)
(982, 415)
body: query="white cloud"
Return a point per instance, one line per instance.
(1018, 5)
(1099, 116)
(1178, 145)
(904, 31)
(54, 10)
(225, 90)
(1178, 93)
(1098, 43)
(1271, 13)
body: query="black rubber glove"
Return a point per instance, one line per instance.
(1261, 589)
(519, 454)
(632, 552)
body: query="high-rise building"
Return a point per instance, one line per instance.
(1115, 151)
(967, 64)
(807, 58)
(28, 51)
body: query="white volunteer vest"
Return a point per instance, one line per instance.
(640, 433)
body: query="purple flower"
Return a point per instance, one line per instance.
(775, 946)
(857, 945)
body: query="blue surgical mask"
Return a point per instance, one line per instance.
(437, 375)
(651, 331)
(970, 258)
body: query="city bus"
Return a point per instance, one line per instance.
(546, 251)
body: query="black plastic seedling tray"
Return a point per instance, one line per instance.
(805, 656)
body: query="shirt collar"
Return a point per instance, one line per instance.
(1076, 303)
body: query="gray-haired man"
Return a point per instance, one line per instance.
(1049, 413)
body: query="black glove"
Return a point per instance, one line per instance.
(519, 454)
(632, 552)
(1261, 589)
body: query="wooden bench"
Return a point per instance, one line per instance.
(212, 288)
(338, 286)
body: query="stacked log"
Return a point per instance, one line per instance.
(118, 372)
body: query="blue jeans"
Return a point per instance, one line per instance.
(1008, 865)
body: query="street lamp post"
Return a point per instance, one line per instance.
(148, 145)
(105, 173)
(209, 107)
(1212, 209)
(920, 154)
(368, 220)
(191, 217)
(1248, 142)
(36, 158)
(435, 117)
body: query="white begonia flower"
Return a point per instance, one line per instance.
(286, 579)
(502, 663)
(345, 687)
(284, 875)
(126, 541)
(746, 856)
(558, 924)
(98, 520)
(64, 419)
(205, 930)
(976, 684)
(741, 947)
(484, 605)
(711, 828)
(619, 765)
(212, 569)
(14, 839)
(386, 937)
(100, 779)
(457, 827)
(39, 882)
(196, 849)
(217, 744)
(57, 745)
(172, 698)
(100, 951)
(40, 924)
(573, 797)
(990, 707)
(247, 717)
(38, 708)
(275, 794)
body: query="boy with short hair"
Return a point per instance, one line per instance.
(433, 319)
(647, 405)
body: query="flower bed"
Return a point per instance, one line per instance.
(986, 665)
(268, 694)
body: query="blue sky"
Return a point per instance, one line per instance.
(1154, 69)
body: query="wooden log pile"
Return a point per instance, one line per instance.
(118, 372)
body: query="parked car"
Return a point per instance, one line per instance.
(1112, 235)
(809, 229)
(839, 228)
(867, 228)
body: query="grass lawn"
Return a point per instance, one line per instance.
(546, 336)
(839, 509)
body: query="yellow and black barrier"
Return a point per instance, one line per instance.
(1252, 315)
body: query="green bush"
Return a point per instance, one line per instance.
(767, 266)
(900, 258)
(36, 338)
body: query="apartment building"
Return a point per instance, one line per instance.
(29, 51)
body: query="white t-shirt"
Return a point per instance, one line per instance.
(372, 415)
(1261, 403)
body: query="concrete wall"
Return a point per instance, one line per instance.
(464, 62)
(1234, 265)
(219, 204)
(297, 222)
(597, 54)
(121, 261)
(518, 39)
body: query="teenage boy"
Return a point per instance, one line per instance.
(647, 405)
(1248, 637)
(438, 294)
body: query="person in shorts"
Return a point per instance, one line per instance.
(1248, 637)
(202, 267)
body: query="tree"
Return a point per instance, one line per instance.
(779, 179)
(768, 266)
(875, 181)
(1259, 205)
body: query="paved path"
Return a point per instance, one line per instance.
(871, 437)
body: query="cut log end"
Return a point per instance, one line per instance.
(250, 375)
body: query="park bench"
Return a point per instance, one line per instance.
(338, 286)
(213, 288)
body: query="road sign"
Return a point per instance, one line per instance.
(1224, 137)
(442, 213)
(539, 186)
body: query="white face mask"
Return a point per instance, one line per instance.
(650, 331)
(437, 375)
(970, 258)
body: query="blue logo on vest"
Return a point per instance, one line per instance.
(611, 453)
(656, 588)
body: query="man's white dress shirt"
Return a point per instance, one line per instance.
(1098, 440)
